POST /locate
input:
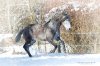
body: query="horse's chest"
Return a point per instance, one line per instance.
(52, 25)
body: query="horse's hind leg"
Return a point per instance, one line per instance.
(59, 48)
(26, 47)
(63, 44)
(55, 46)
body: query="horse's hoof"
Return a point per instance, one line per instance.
(65, 52)
(51, 51)
(59, 51)
(30, 56)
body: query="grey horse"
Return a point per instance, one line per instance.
(50, 31)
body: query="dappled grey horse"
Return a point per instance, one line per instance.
(50, 32)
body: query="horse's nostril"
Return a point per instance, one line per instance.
(69, 29)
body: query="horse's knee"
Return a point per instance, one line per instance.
(32, 42)
(55, 46)
(25, 46)
(57, 38)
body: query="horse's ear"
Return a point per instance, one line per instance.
(68, 17)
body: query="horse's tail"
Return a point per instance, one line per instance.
(19, 35)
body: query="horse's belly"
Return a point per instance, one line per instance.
(44, 35)
(41, 36)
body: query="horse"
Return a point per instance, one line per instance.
(50, 31)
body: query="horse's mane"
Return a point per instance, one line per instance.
(46, 24)
(30, 25)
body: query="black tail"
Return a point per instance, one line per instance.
(19, 35)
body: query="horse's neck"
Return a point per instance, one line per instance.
(53, 25)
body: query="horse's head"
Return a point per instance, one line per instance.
(65, 20)
(58, 18)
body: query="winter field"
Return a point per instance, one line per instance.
(44, 59)
(50, 60)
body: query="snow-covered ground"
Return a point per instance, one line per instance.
(50, 60)
(9, 59)
(3, 36)
(43, 59)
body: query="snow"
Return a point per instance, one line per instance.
(51, 60)
(91, 6)
(45, 59)
(3, 36)
(75, 5)
(61, 8)
(54, 11)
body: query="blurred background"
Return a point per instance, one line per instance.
(83, 37)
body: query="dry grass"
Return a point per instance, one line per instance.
(85, 31)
